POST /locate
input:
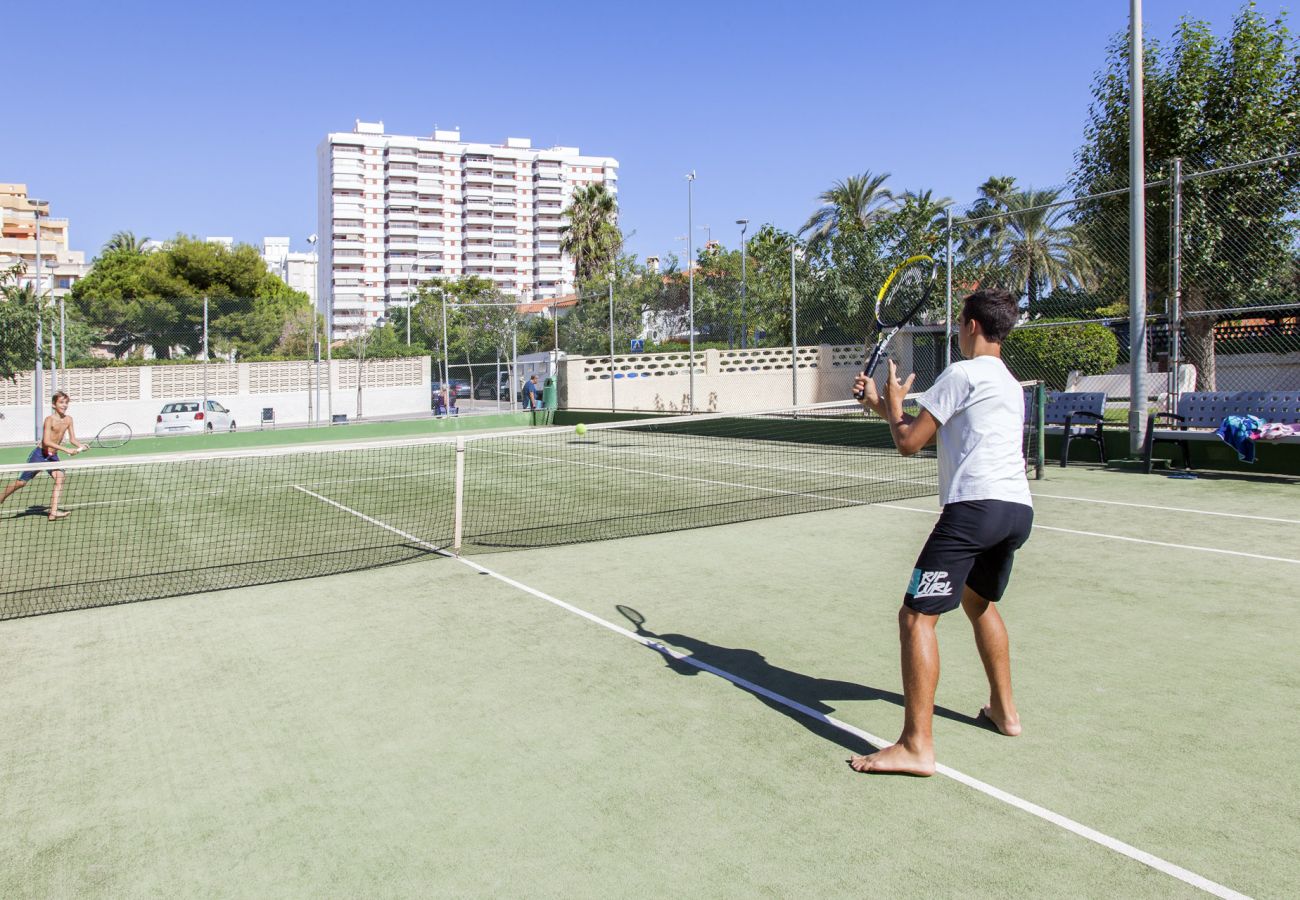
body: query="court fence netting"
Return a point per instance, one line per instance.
(166, 525)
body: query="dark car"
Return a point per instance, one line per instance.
(459, 386)
(490, 387)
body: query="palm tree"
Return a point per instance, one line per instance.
(1034, 247)
(125, 241)
(861, 199)
(591, 236)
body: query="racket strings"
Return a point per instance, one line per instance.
(901, 299)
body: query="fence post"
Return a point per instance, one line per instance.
(794, 332)
(1175, 280)
(1137, 238)
(613, 401)
(947, 304)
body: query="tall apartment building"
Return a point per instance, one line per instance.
(60, 267)
(396, 210)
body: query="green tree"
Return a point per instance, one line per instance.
(18, 318)
(157, 299)
(124, 241)
(857, 200)
(591, 236)
(1213, 102)
(1033, 250)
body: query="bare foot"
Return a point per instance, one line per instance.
(55, 516)
(1008, 725)
(895, 760)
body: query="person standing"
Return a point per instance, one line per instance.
(976, 412)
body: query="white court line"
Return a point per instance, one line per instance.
(1119, 537)
(1147, 859)
(1199, 512)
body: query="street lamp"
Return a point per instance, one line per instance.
(690, 365)
(39, 208)
(744, 325)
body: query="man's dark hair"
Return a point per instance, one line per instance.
(996, 311)
(54, 398)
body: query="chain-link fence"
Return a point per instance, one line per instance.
(1222, 297)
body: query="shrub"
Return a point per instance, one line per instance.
(1051, 353)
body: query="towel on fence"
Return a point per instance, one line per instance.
(1273, 431)
(1239, 432)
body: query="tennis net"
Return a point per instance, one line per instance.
(167, 525)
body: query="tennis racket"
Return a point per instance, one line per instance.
(114, 435)
(904, 293)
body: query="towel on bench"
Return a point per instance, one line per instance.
(1239, 433)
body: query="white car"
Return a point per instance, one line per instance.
(193, 417)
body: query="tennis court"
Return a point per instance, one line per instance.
(496, 724)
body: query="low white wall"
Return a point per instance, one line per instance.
(136, 395)
(725, 380)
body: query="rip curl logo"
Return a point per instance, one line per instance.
(929, 584)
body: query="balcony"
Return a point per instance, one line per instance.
(473, 217)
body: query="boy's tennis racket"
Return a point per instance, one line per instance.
(114, 435)
(904, 293)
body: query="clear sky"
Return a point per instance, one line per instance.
(204, 118)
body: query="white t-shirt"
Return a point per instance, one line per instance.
(980, 408)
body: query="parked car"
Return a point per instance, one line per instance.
(489, 387)
(459, 385)
(193, 417)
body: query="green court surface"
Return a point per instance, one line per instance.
(278, 437)
(434, 728)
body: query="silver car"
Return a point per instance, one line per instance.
(193, 417)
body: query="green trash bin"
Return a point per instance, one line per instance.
(549, 394)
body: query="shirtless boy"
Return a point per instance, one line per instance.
(56, 430)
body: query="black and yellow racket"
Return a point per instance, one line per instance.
(904, 293)
(114, 435)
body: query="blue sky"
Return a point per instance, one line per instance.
(204, 118)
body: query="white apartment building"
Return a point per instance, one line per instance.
(395, 210)
(60, 267)
(298, 270)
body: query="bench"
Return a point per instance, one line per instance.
(1117, 385)
(1061, 415)
(1200, 413)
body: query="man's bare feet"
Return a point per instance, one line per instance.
(61, 514)
(895, 760)
(1008, 725)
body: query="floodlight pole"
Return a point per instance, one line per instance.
(794, 331)
(690, 281)
(1137, 262)
(947, 305)
(313, 412)
(613, 403)
(744, 326)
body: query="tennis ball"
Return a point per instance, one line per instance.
(580, 429)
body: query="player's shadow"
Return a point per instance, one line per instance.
(807, 690)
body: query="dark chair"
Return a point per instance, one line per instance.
(1064, 410)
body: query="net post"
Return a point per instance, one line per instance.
(460, 496)
(1040, 427)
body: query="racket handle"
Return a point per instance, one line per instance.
(869, 369)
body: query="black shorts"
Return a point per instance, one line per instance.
(973, 544)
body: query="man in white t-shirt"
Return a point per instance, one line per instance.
(976, 412)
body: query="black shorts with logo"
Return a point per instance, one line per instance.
(974, 544)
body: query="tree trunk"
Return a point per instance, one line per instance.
(1198, 345)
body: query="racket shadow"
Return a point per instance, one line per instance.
(809, 690)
